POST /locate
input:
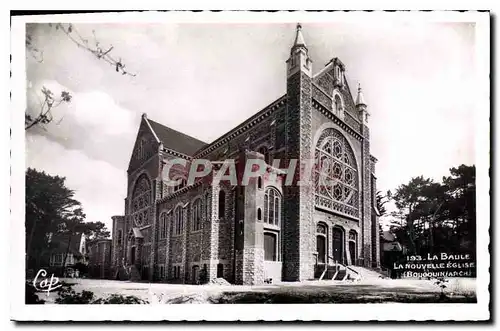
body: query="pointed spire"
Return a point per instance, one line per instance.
(360, 100)
(299, 39)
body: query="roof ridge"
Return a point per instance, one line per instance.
(175, 131)
(241, 125)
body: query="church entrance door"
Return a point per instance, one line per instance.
(132, 255)
(338, 244)
(352, 252)
(321, 248)
(196, 275)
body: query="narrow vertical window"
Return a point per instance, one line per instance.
(222, 204)
(196, 215)
(163, 225)
(178, 221)
(208, 202)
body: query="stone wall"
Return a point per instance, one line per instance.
(298, 262)
(367, 199)
(100, 259)
(211, 245)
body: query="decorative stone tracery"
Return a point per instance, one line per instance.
(336, 174)
(141, 201)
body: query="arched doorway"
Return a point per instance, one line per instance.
(321, 242)
(353, 245)
(338, 244)
(132, 255)
(196, 275)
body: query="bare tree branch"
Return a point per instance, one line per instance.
(96, 49)
(45, 116)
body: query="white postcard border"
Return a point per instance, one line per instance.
(249, 312)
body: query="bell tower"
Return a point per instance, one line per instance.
(298, 208)
(299, 58)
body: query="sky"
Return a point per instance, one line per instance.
(418, 80)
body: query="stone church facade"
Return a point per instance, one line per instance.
(267, 229)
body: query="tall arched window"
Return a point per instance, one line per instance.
(272, 207)
(141, 201)
(119, 239)
(272, 224)
(178, 221)
(339, 109)
(222, 204)
(196, 215)
(208, 203)
(353, 246)
(336, 174)
(321, 249)
(163, 225)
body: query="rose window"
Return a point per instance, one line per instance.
(141, 201)
(336, 174)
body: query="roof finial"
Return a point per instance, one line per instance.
(299, 39)
(360, 100)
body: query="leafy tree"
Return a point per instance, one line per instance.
(48, 203)
(381, 200)
(461, 188)
(96, 231)
(52, 209)
(409, 200)
(434, 216)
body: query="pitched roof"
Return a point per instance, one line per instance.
(137, 233)
(176, 140)
(388, 236)
(61, 243)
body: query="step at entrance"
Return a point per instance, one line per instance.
(341, 274)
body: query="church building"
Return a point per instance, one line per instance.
(267, 230)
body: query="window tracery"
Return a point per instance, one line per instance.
(336, 174)
(141, 201)
(272, 207)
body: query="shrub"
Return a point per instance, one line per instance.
(68, 296)
(31, 296)
(117, 299)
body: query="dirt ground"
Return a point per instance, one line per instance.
(372, 289)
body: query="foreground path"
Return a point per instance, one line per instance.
(374, 288)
